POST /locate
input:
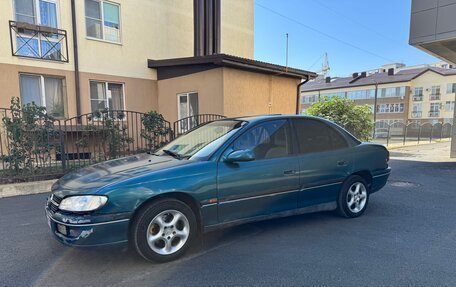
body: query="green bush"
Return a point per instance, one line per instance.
(29, 131)
(355, 118)
(155, 130)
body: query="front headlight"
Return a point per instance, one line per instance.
(83, 203)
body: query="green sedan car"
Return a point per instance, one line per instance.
(223, 173)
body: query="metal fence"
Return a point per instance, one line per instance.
(413, 133)
(38, 147)
(184, 125)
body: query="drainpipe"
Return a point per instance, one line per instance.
(76, 59)
(298, 95)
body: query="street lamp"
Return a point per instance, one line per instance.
(375, 105)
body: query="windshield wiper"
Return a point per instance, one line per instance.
(173, 154)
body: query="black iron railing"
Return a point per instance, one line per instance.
(38, 42)
(184, 125)
(46, 147)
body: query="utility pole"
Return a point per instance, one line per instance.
(375, 107)
(286, 60)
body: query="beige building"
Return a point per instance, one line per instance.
(404, 94)
(78, 56)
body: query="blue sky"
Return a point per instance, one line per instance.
(358, 34)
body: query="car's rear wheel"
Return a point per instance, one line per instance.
(353, 197)
(163, 230)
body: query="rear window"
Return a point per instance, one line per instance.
(315, 136)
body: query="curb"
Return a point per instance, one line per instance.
(26, 188)
(413, 144)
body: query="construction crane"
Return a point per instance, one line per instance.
(323, 73)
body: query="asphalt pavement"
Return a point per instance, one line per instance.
(407, 237)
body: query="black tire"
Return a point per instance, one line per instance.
(143, 221)
(343, 208)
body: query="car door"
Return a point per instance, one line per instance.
(269, 183)
(324, 160)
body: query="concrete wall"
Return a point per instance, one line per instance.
(238, 28)
(150, 29)
(141, 95)
(230, 92)
(9, 83)
(208, 85)
(247, 93)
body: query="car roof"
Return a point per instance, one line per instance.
(259, 118)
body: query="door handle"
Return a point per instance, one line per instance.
(289, 172)
(342, 163)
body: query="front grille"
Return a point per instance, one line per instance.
(54, 202)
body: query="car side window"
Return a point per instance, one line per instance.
(315, 136)
(267, 140)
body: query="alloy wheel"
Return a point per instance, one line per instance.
(356, 197)
(168, 232)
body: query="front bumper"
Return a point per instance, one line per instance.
(75, 230)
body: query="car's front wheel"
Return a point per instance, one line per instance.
(163, 230)
(353, 197)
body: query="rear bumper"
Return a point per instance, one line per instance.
(87, 234)
(379, 179)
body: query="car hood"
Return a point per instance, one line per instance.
(92, 178)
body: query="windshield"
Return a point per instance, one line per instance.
(202, 141)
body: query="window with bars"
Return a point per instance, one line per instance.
(35, 32)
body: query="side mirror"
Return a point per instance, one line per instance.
(240, 155)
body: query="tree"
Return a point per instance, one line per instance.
(355, 118)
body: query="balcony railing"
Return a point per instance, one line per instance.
(434, 114)
(417, 114)
(434, 97)
(418, 98)
(38, 42)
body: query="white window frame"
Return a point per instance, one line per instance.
(187, 94)
(108, 97)
(434, 90)
(184, 126)
(309, 99)
(38, 23)
(451, 88)
(102, 23)
(38, 13)
(418, 89)
(450, 106)
(43, 89)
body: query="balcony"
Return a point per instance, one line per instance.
(434, 114)
(434, 97)
(418, 98)
(38, 42)
(416, 115)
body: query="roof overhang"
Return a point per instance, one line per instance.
(443, 49)
(171, 68)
